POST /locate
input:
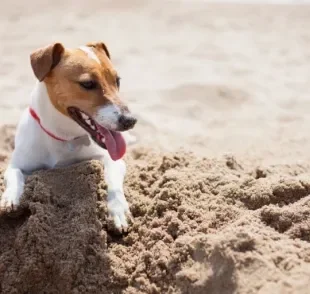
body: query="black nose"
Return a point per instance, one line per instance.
(127, 121)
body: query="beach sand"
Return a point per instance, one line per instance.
(219, 180)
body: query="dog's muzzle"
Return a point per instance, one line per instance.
(126, 122)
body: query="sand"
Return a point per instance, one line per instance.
(200, 226)
(219, 180)
(211, 78)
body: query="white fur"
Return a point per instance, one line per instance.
(34, 150)
(108, 116)
(90, 53)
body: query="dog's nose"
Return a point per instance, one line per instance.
(127, 121)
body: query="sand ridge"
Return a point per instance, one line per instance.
(201, 226)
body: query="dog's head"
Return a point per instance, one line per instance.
(83, 85)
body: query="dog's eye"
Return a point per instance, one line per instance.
(118, 82)
(88, 85)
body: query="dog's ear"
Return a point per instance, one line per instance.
(43, 60)
(100, 46)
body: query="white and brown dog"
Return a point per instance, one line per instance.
(75, 115)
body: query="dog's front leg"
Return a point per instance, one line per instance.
(14, 181)
(118, 207)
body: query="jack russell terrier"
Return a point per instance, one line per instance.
(76, 114)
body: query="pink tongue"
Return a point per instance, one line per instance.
(114, 141)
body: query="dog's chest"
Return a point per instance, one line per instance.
(74, 151)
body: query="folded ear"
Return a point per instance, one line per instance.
(43, 60)
(100, 46)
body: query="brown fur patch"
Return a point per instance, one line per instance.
(43, 60)
(75, 65)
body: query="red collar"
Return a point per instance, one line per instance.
(36, 117)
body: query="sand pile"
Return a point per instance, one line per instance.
(201, 226)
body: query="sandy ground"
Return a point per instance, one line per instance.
(213, 79)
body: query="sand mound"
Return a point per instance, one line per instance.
(201, 226)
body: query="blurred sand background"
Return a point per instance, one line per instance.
(212, 78)
(229, 82)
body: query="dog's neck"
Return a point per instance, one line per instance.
(51, 119)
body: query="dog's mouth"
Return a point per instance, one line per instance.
(111, 140)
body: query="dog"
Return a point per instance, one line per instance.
(76, 114)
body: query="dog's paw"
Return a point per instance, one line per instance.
(118, 209)
(10, 200)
